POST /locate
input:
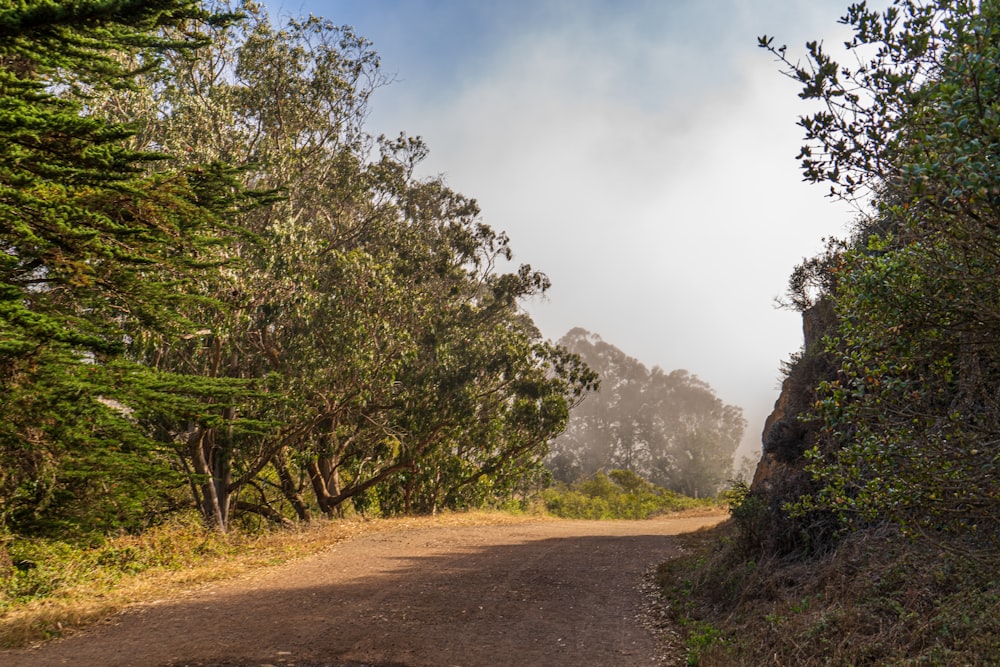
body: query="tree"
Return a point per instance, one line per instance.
(911, 419)
(701, 434)
(302, 261)
(94, 250)
(669, 428)
(391, 361)
(605, 431)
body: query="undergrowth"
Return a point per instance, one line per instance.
(878, 598)
(620, 494)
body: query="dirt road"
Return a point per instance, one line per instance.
(540, 593)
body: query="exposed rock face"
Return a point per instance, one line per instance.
(785, 437)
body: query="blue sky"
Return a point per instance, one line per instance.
(640, 152)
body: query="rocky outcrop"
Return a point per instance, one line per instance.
(786, 437)
(781, 478)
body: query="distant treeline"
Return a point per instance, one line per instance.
(668, 428)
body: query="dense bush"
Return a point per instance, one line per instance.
(908, 426)
(618, 495)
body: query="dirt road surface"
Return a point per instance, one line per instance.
(539, 593)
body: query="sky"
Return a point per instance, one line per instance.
(641, 153)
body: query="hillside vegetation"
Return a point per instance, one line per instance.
(870, 534)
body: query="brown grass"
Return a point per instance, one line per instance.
(878, 599)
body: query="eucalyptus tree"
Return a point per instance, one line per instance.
(698, 434)
(669, 428)
(606, 431)
(358, 292)
(483, 394)
(446, 384)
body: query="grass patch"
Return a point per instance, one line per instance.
(618, 495)
(877, 599)
(48, 587)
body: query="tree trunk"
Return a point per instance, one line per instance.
(222, 462)
(320, 489)
(210, 506)
(330, 468)
(408, 495)
(289, 488)
(222, 474)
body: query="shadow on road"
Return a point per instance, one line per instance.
(416, 598)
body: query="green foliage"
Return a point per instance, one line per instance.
(702, 637)
(910, 421)
(98, 249)
(620, 494)
(747, 510)
(206, 292)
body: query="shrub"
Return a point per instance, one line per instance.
(621, 494)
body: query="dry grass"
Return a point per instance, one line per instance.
(66, 589)
(878, 599)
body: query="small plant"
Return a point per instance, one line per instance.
(702, 638)
(775, 619)
(749, 515)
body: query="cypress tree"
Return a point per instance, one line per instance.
(96, 248)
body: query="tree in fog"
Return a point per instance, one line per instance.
(669, 428)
